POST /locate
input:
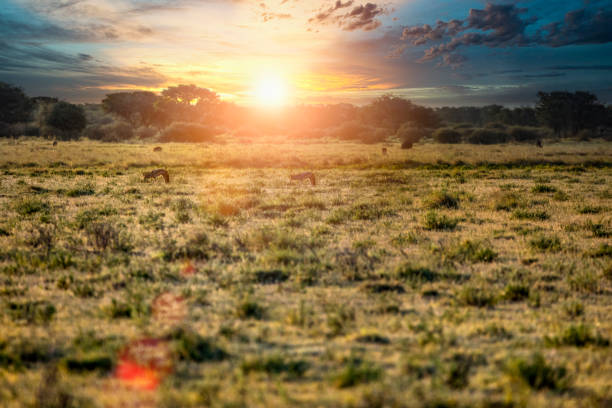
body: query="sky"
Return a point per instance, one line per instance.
(434, 52)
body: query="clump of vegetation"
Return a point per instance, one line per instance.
(543, 188)
(415, 274)
(546, 244)
(357, 371)
(476, 296)
(82, 190)
(442, 199)
(185, 132)
(473, 252)
(191, 346)
(249, 308)
(29, 206)
(516, 292)
(536, 373)
(275, 365)
(579, 335)
(439, 222)
(40, 311)
(447, 135)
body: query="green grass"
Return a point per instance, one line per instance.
(427, 277)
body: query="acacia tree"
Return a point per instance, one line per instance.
(138, 108)
(15, 106)
(188, 103)
(68, 119)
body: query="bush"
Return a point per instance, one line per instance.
(67, 118)
(442, 199)
(144, 132)
(447, 135)
(523, 134)
(183, 132)
(578, 336)
(357, 372)
(357, 131)
(409, 134)
(112, 132)
(434, 221)
(15, 106)
(537, 374)
(487, 136)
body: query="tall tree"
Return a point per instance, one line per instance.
(138, 107)
(15, 106)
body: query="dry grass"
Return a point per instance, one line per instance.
(287, 294)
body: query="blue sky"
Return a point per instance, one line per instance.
(435, 52)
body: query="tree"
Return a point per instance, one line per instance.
(187, 103)
(67, 118)
(138, 108)
(15, 106)
(569, 112)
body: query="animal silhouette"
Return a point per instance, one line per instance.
(302, 176)
(156, 173)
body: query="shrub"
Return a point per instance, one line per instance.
(188, 345)
(515, 292)
(447, 135)
(487, 136)
(442, 199)
(357, 372)
(473, 296)
(537, 374)
(183, 132)
(578, 336)
(111, 132)
(473, 252)
(434, 221)
(275, 364)
(145, 132)
(415, 274)
(250, 309)
(546, 244)
(543, 188)
(410, 134)
(67, 118)
(29, 206)
(31, 311)
(523, 134)
(82, 190)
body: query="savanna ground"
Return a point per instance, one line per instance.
(444, 275)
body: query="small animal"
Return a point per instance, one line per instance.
(384, 151)
(407, 144)
(303, 176)
(55, 143)
(539, 143)
(156, 173)
(157, 149)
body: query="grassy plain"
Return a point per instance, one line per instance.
(444, 275)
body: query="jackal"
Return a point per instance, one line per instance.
(303, 176)
(156, 173)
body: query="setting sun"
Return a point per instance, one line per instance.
(271, 91)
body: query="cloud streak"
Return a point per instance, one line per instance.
(506, 25)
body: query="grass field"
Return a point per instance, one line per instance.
(441, 276)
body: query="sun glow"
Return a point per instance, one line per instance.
(272, 91)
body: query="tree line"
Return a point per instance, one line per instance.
(183, 110)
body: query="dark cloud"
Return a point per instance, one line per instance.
(361, 17)
(583, 26)
(26, 64)
(505, 25)
(582, 67)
